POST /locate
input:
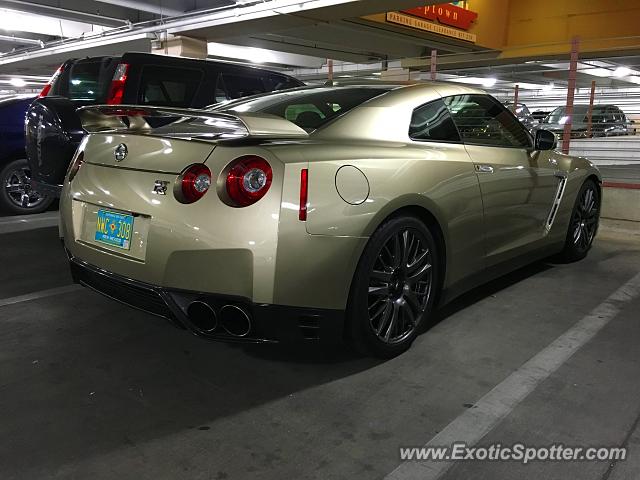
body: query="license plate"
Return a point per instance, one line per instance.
(114, 229)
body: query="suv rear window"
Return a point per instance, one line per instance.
(168, 87)
(89, 80)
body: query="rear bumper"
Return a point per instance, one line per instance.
(269, 323)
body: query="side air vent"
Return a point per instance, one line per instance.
(562, 184)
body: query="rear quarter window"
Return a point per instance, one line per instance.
(168, 87)
(89, 81)
(240, 85)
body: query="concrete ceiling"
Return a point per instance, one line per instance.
(314, 28)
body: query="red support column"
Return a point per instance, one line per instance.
(434, 62)
(515, 99)
(571, 90)
(330, 68)
(590, 112)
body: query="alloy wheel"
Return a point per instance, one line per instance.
(17, 184)
(584, 222)
(400, 286)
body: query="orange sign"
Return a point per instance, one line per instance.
(446, 14)
(433, 27)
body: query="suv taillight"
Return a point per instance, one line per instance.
(193, 183)
(47, 88)
(116, 90)
(248, 180)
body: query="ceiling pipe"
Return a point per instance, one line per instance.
(20, 40)
(63, 13)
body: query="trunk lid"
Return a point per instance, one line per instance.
(146, 153)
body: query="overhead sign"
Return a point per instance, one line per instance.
(445, 14)
(429, 26)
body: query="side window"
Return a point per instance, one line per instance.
(221, 92)
(482, 120)
(166, 86)
(239, 86)
(432, 122)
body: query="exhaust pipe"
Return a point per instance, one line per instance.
(202, 316)
(235, 321)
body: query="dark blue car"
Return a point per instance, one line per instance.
(16, 194)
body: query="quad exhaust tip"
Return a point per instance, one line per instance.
(235, 321)
(232, 318)
(203, 316)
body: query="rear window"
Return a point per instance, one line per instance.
(309, 108)
(89, 81)
(168, 87)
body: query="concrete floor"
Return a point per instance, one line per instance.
(93, 389)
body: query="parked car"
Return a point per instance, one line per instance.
(318, 213)
(53, 127)
(16, 194)
(523, 114)
(606, 120)
(539, 115)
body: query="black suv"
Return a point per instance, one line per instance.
(53, 129)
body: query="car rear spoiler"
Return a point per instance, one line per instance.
(186, 123)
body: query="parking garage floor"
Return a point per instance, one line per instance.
(93, 389)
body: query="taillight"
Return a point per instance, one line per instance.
(47, 88)
(75, 165)
(193, 183)
(304, 194)
(248, 180)
(116, 90)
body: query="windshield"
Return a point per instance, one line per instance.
(308, 108)
(559, 115)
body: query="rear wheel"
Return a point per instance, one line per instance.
(16, 194)
(584, 223)
(394, 287)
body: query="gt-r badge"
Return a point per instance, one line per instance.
(160, 187)
(120, 152)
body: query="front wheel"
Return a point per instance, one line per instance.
(584, 222)
(394, 287)
(16, 194)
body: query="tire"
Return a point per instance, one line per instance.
(583, 225)
(392, 293)
(16, 195)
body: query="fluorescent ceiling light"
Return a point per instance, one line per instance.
(17, 82)
(621, 72)
(489, 82)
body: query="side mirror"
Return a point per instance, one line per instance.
(545, 140)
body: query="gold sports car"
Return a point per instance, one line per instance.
(318, 213)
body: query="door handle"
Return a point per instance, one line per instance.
(481, 168)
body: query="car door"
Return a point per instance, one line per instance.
(518, 185)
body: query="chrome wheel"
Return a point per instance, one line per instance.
(17, 185)
(400, 286)
(584, 222)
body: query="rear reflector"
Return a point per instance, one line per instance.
(304, 193)
(116, 90)
(47, 88)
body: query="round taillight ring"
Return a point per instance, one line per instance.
(248, 179)
(193, 183)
